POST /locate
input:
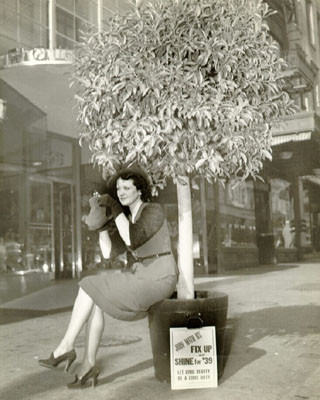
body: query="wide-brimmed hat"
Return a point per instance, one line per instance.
(135, 170)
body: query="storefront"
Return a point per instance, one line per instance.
(283, 221)
(311, 220)
(234, 226)
(295, 227)
(47, 180)
(38, 180)
(294, 193)
(224, 227)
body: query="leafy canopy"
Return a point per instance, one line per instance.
(182, 87)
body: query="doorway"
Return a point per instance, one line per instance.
(315, 231)
(64, 232)
(265, 237)
(51, 234)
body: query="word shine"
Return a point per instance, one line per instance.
(192, 361)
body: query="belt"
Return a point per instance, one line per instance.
(153, 256)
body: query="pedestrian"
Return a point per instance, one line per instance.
(138, 227)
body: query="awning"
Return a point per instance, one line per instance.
(292, 137)
(312, 179)
(47, 87)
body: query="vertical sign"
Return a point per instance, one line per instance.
(193, 358)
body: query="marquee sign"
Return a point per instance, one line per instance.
(36, 56)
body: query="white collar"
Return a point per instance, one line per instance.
(135, 210)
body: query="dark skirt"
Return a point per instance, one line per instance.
(129, 295)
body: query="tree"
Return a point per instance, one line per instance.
(185, 88)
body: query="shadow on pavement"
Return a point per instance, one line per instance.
(243, 332)
(262, 269)
(31, 385)
(291, 322)
(46, 380)
(8, 316)
(131, 370)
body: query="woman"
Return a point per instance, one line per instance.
(138, 227)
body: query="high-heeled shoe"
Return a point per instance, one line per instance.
(80, 383)
(53, 362)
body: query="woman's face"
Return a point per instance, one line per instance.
(127, 193)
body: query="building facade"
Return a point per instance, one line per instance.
(293, 174)
(283, 211)
(47, 178)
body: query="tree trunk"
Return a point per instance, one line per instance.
(185, 286)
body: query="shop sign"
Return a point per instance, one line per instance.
(36, 56)
(193, 358)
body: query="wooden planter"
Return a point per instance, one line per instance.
(208, 307)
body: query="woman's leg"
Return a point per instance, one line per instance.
(81, 312)
(94, 331)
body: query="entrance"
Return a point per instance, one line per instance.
(265, 237)
(315, 231)
(64, 232)
(51, 236)
(39, 171)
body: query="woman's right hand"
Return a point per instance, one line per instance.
(105, 200)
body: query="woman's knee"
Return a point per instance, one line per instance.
(82, 294)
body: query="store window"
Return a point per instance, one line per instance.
(171, 210)
(116, 5)
(282, 214)
(9, 20)
(40, 230)
(88, 10)
(65, 23)
(306, 226)
(25, 22)
(22, 135)
(67, 4)
(111, 7)
(238, 215)
(37, 185)
(74, 17)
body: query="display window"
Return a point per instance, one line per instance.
(306, 226)
(171, 211)
(282, 214)
(238, 228)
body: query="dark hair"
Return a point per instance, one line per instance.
(139, 182)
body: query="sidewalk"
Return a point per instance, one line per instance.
(273, 343)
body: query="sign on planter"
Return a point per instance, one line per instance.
(193, 358)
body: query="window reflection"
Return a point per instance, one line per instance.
(282, 214)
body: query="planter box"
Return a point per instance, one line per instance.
(211, 307)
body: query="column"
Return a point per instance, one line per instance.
(52, 24)
(298, 205)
